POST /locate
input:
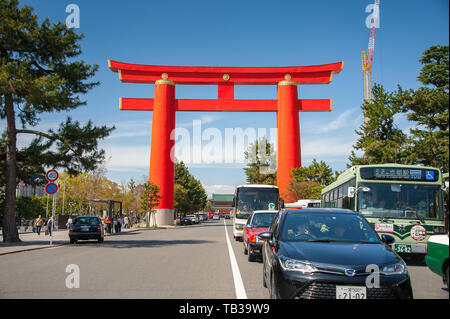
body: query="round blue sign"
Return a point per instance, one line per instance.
(51, 188)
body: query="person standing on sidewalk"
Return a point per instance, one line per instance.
(108, 224)
(125, 222)
(119, 223)
(69, 222)
(38, 222)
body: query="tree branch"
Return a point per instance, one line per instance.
(50, 137)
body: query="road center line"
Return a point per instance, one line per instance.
(238, 284)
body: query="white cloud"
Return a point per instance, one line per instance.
(123, 158)
(131, 129)
(204, 119)
(327, 147)
(219, 189)
(340, 122)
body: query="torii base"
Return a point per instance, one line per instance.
(162, 217)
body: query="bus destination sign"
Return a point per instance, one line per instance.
(400, 174)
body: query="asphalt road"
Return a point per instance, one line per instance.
(190, 262)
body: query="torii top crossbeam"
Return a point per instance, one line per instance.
(164, 106)
(225, 78)
(138, 73)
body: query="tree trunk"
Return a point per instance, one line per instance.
(10, 233)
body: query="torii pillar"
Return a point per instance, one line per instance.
(164, 107)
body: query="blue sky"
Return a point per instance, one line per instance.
(243, 33)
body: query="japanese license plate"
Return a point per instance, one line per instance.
(402, 248)
(351, 292)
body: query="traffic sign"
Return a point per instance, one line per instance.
(52, 175)
(51, 188)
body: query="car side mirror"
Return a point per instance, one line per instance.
(266, 236)
(387, 239)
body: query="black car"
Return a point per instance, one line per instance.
(330, 253)
(86, 227)
(188, 220)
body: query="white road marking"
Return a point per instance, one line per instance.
(238, 284)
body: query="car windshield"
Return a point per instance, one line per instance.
(262, 219)
(327, 227)
(86, 221)
(410, 201)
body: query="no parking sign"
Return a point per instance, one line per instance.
(51, 188)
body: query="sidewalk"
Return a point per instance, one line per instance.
(33, 241)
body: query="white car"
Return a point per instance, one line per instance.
(216, 217)
(239, 222)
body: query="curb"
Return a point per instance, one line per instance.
(31, 249)
(23, 249)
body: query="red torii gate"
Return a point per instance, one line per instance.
(164, 105)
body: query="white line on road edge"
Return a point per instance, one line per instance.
(238, 284)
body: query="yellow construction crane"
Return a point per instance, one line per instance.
(367, 58)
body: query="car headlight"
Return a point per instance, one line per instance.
(394, 269)
(295, 265)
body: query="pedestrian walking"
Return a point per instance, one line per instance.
(119, 224)
(49, 230)
(108, 224)
(125, 222)
(38, 222)
(115, 224)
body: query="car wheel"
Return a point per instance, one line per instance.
(245, 249)
(250, 255)
(73, 241)
(273, 289)
(100, 240)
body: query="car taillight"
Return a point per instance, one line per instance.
(252, 238)
(99, 229)
(70, 229)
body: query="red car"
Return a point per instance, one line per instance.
(258, 222)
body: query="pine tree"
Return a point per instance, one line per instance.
(39, 74)
(380, 138)
(428, 108)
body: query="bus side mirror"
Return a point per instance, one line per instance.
(281, 203)
(351, 192)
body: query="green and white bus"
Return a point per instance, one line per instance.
(403, 201)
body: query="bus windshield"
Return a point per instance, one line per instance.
(410, 201)
(250, 199)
